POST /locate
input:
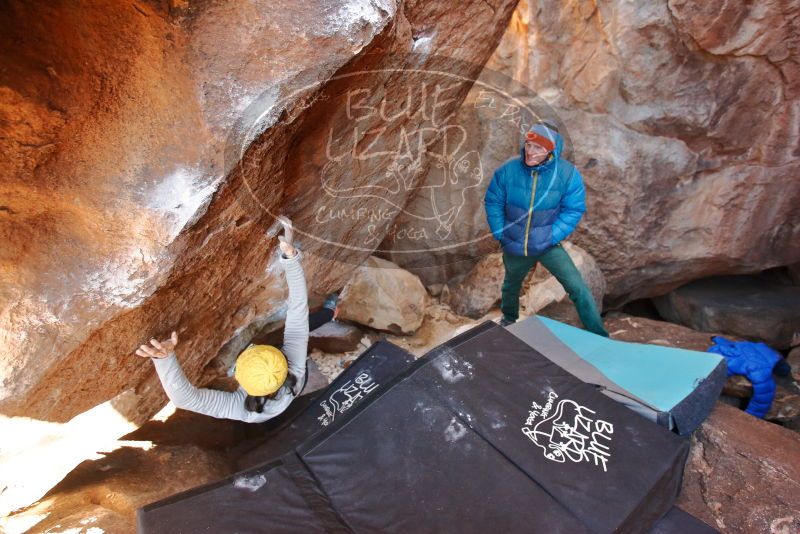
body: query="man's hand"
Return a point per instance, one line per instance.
(287, 239)
(159, 349)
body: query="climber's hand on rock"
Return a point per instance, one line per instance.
(288, 230)
(288, 250)
(287, 239)
(159, 349)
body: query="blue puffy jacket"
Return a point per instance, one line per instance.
(754, 361)
(528, 220)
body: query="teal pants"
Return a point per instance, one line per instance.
(557, 261)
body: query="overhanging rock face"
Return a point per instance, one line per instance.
(483, 433)
(152, 148)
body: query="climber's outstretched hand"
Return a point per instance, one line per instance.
(160, 349)
(287, 239)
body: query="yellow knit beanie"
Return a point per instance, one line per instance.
(261, 370)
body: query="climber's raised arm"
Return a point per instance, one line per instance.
(269, 378)
(295, 333)
(220, 404)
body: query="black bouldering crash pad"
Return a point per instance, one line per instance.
(309, 414)
(483, 433)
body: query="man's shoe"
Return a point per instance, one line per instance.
(505, 322)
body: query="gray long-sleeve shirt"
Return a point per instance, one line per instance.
(230, 405)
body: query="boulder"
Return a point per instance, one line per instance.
(479, 291)
(149, 153)
(439, 325)
(743, 475)
(745, 306)
(793, 272)
(563, 311)
(738, 386)
(785, 406)
(435, 290)
(654, 100)
(735, 458)
(675, 193)
(793, 359)
(643, 330)
(334, 337)
(383, 296)
(316, 379)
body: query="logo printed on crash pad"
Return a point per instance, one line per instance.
(567, 431)
(345, 397)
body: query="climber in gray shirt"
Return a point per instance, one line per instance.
(269, 378)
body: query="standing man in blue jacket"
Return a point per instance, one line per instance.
(533, 203)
